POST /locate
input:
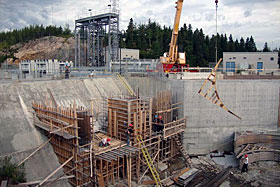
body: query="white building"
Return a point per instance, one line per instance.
(41, 67)
(126, 54)
(129, 54)
(258, 61)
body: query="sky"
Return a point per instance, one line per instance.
(241, 18)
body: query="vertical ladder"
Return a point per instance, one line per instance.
(149, 161)
(123, 81)
(183, 151)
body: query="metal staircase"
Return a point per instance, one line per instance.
(125, 84)
(182, 150)
(149, 161)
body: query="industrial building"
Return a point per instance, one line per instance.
(124, 54)
(256, 61)
(41, 67)
(129, 54)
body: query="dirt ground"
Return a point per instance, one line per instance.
(260, 174)
(265, 173)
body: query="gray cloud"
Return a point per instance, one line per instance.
(248, 13)
(238, 17)
(244, 2)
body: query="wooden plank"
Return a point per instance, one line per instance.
(167, 110)
(100, 179)
(54, 172)
(115, 124)
(50, 180)
(149, 182)
(110, 122)
(141, 122)
(62, 128)
(40, 147)
(129, 112)
(150, 116)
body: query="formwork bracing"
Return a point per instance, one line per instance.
(77, 145)
(258, 146)
(90, 34)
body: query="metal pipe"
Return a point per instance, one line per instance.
(216, 1)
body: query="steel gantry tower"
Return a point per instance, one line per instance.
(92, 35)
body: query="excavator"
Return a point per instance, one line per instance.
(173, 61)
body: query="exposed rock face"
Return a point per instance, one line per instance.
(49, 47)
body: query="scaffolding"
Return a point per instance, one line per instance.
(77, 144)
(91, 34)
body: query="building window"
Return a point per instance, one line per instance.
(260, 58)
(230, 66)
(230, 58)
(271, 58)
(260, 66)
(234, 57)
(244, 57)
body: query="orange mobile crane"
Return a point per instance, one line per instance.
(173, 61)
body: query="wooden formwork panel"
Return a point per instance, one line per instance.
(122, 112)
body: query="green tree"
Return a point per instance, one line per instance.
(241, 47)
(10, 171)
(266, 48)
(231, 47)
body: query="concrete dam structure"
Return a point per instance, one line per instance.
(208, 128)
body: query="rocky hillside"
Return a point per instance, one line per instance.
(49, 47)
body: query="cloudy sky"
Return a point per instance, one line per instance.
(259, 18)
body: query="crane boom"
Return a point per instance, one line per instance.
(173, 49)
(174, 61)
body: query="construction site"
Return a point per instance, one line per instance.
(156, 128)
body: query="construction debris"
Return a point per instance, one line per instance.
(258, 146)
(209, 90)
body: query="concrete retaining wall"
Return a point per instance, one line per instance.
(17, 133)
(209, 127)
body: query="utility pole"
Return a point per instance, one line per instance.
(216, 1)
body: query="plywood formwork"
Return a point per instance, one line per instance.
(139, 112)
(71, 135)
(258, 146)
(124, 111)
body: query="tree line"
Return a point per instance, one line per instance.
(32, 32)
(153, 40)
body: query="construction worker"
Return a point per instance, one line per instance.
(67, 70)
(245, 163)
(108, 141)
(129, 133)
(155, 118)
(105, 142)
(160, 121)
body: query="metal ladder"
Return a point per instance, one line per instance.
(149, 161)
(123, 81)
(182, 150)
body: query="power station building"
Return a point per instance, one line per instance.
(258, 61)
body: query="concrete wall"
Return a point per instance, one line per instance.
(18, 136)
(209, 127)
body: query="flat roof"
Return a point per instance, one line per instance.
(250, 52)
(100, 16)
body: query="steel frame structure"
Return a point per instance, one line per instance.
(91, 34)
